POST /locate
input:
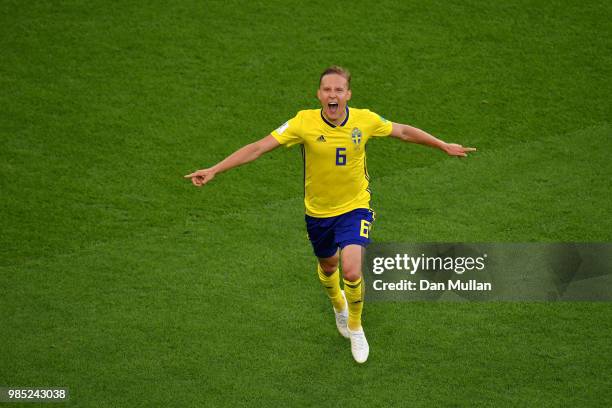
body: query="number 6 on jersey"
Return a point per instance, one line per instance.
(340, 156)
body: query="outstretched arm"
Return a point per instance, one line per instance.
(414, 135)
(241, 156)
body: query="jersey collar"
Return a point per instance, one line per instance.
(331, 124)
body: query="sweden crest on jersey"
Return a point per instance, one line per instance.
(356, 137)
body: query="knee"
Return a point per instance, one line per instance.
(351, 273)
(329, 266)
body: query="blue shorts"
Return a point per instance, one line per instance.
(328, 234)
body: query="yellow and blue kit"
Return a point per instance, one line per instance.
(336, 178)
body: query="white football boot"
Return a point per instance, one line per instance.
(342, 319)
(359, 345)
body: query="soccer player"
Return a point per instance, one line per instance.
(337, 197)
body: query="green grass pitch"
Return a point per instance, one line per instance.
(124, 283)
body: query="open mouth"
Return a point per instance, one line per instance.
(333, 107)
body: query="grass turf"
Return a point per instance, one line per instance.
(125, 284)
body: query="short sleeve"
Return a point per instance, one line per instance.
(290, 132)
(379, 125)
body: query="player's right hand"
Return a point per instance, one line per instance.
(201, 177)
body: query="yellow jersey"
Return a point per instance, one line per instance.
(336, 177)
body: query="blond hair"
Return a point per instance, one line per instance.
(336, 69)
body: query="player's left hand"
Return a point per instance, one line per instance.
(453, 149)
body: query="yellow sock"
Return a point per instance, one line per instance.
(331, 284)
(354, 295)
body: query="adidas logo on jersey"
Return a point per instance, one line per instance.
(321, 139)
